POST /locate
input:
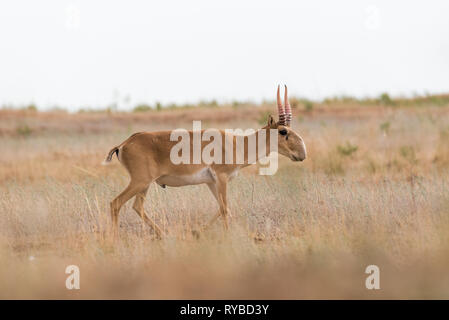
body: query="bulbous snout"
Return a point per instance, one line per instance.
(301, 153)
(298, 158)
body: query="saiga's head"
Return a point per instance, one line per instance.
(290, 143)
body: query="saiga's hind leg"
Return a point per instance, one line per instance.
(139, 208)
(131, 190)
(218, 189)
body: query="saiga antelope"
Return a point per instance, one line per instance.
(146, 157)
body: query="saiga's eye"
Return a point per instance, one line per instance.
(283, 132)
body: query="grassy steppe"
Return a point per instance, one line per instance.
(373, 190)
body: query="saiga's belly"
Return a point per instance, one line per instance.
(202, 176)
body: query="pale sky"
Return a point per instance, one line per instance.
(90, 53)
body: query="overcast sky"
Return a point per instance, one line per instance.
(90, 53)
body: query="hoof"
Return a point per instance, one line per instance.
(196, 234)
(258, 237)
(159, 236)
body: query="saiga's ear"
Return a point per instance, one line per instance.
(271, 122)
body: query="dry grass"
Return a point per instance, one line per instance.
(374, 190)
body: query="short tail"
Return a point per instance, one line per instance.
(109, 157)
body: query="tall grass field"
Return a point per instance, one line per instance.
(374, 190)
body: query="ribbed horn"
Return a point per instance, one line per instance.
(280, 108)
(288, 110)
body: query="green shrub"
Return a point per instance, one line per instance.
(308, 105)
(31, 107)
(385, 99)
(142, 108)
(208, 104)
(385, 127)
(23, 130)
(347, 150)
(408, 153)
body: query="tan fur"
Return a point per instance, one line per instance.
(146, 156)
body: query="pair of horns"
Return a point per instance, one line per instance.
(285, 114)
